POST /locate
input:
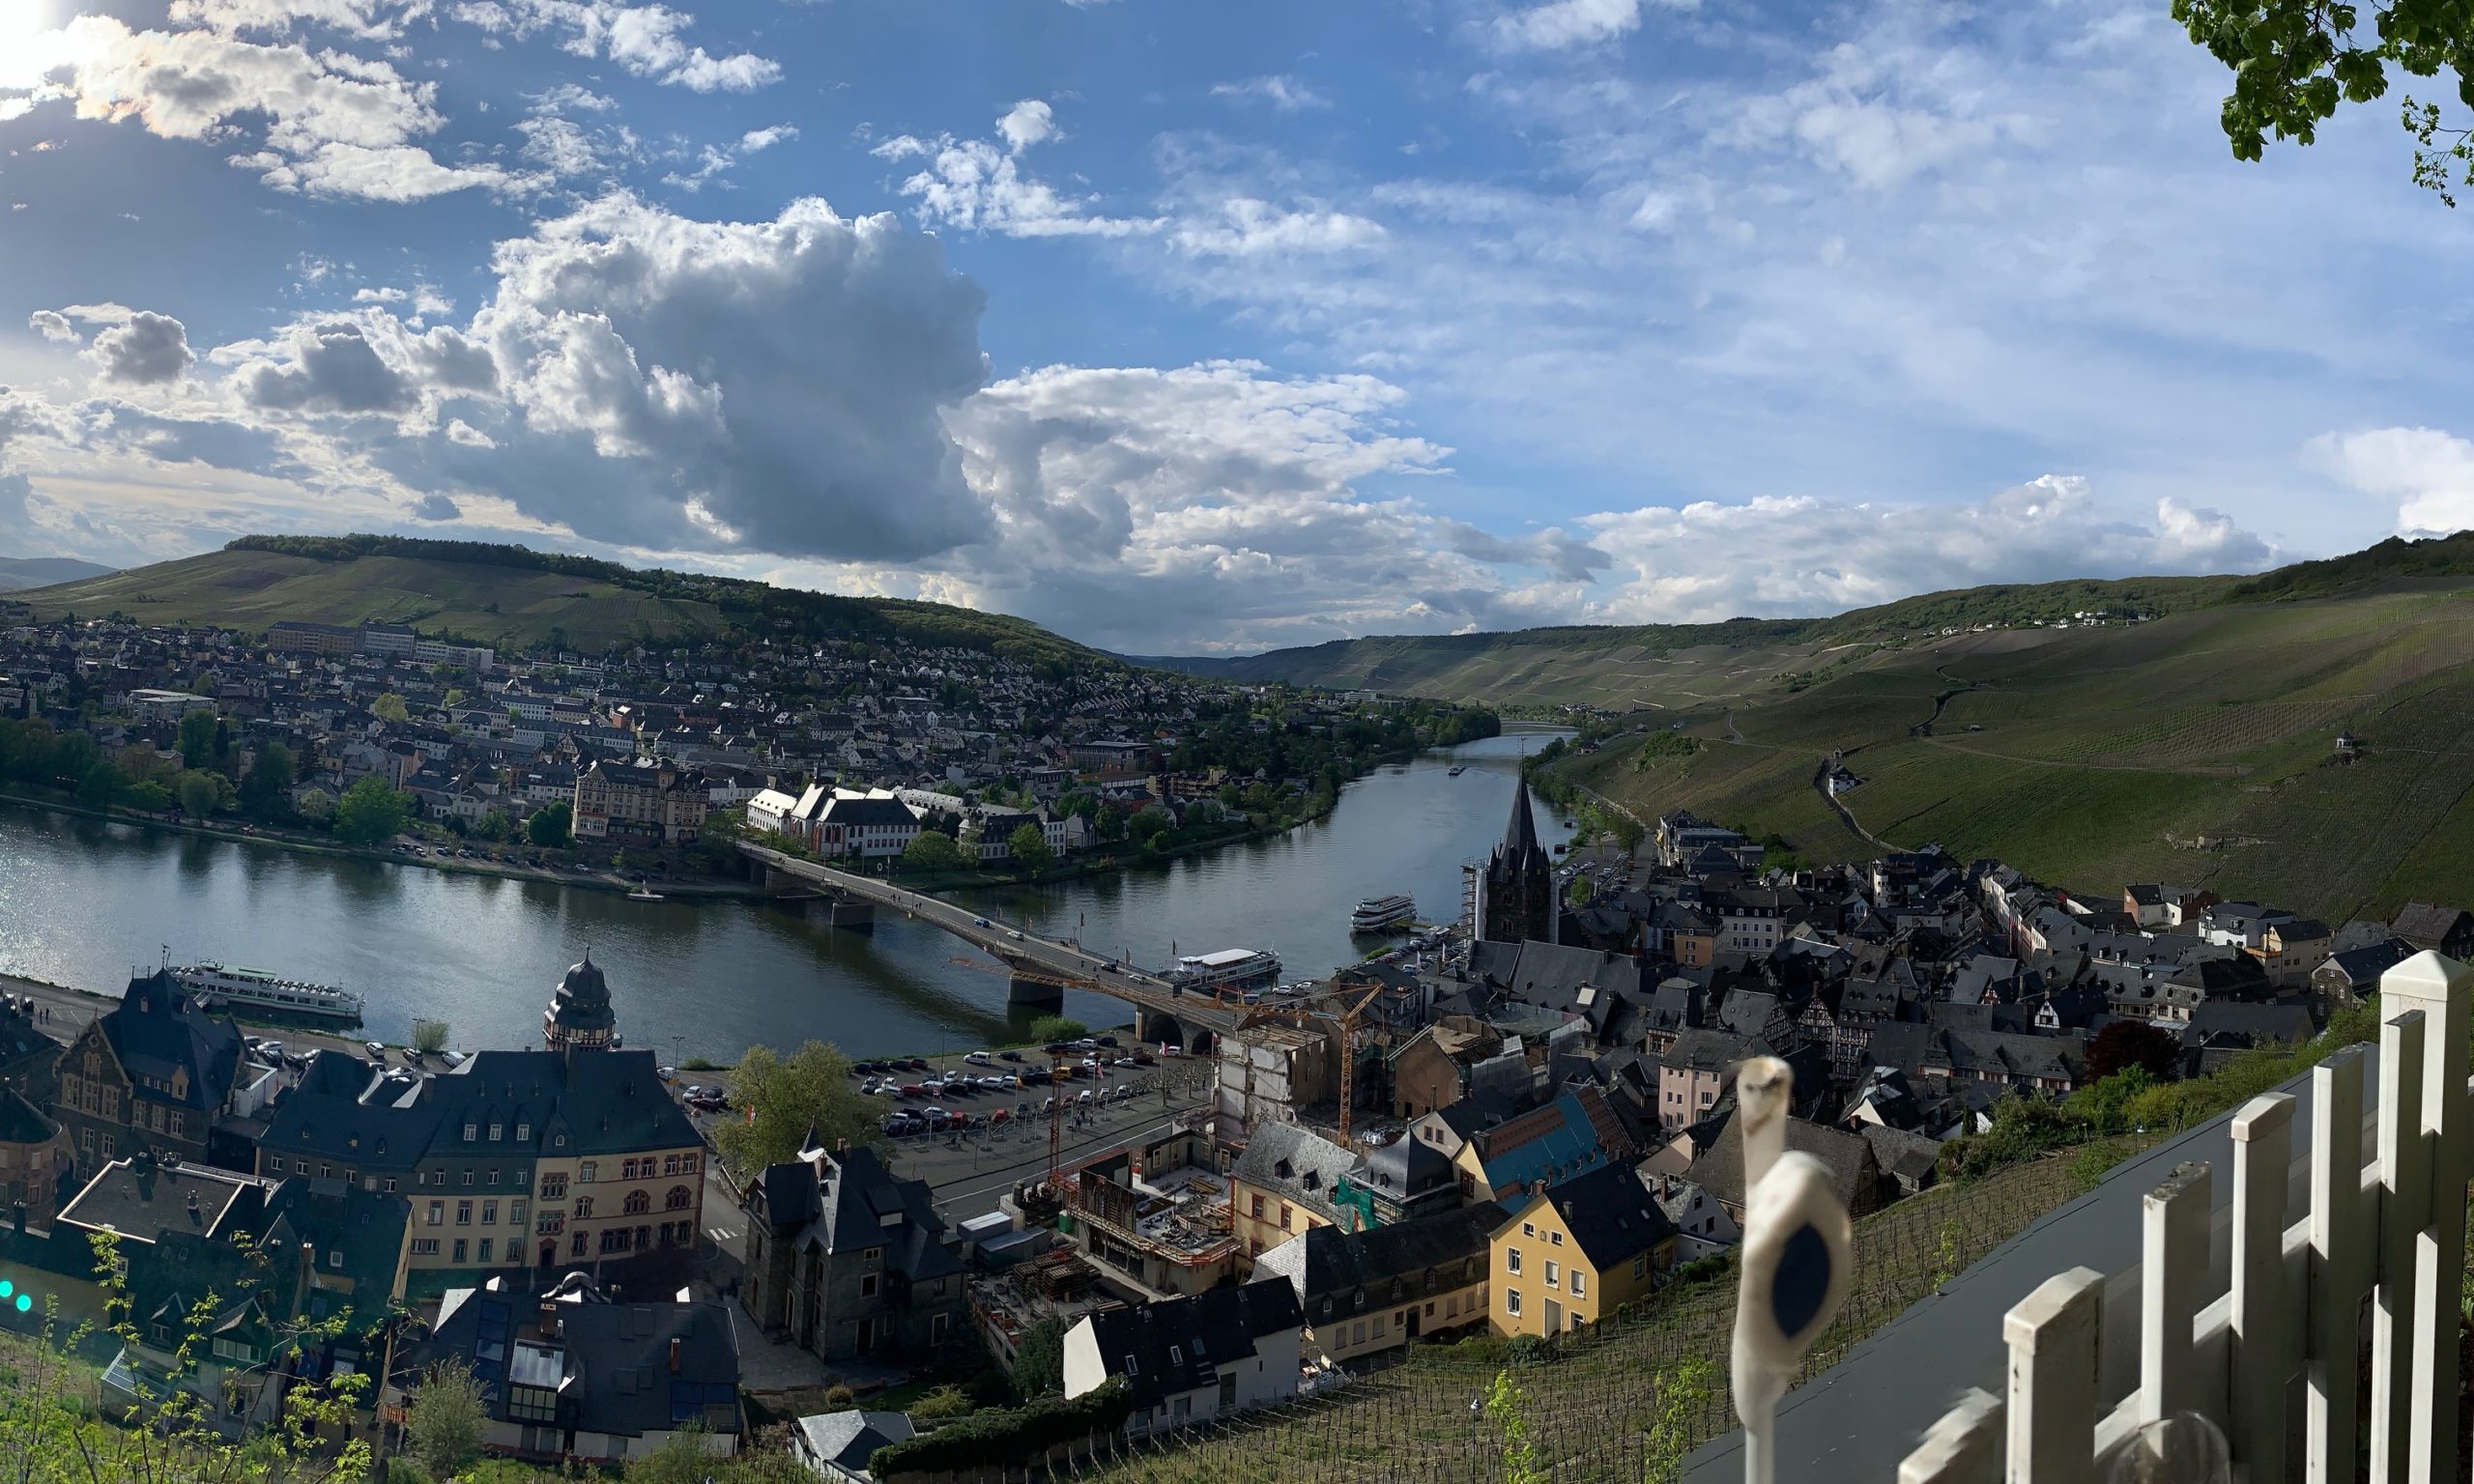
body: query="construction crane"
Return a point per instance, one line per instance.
(1347, 1020)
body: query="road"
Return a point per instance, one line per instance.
(1016, 947)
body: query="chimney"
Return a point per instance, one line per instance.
(674, 1356)
(549, 1320)
(196, 1217)
(301, 1285)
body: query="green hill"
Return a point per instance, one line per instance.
(19, 572)
(514, 597)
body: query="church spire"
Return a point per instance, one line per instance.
(1520, 836)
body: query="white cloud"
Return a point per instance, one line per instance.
(1242, 226)
(643, 38)
(1284, 92)
(1563, 24)
(1792, 555)
(1027, 122)
(2430, 474)
(335, 124)
(756, 139)
(53, 326)
(143, 349)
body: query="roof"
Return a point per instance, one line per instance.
(141, 1200)
(592, 1103)
(2425, 923)
(1611, 1216)
(847, 1440)
(612, 1364)
(21, 1121)
(845, 1201)
(1849, 1159)
(1354, 1270)
(1296, 1162)
(1565, 1137)
(1179, 1345)
(162, 1040)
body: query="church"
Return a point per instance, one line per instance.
(1516, 895)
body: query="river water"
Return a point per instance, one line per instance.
(83, 903)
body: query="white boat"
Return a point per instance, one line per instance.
(1230, 969)
(1383, 914)
(640, 894)
(244, 988)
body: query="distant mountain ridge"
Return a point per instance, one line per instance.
(18, 573)
(1597, 664)
(513, 596)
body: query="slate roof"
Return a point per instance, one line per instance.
(1178, 1345)
(2359, 967)
(21, 1121)
(157, 1030)
(364, 1228)
(592, 1103)
(1905, 1157)
(847, 1440)
(1298, 1164)
(1849, 1159)
(1611, 1216)
(1575, 1132)
(141, 1199)
(610, 1362)
(1354, 1271)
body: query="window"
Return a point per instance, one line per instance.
(469, 1130)
(425, 1247)
(553, 1188)
(390, 1185)
(1511, 1300)
(1580, 1284)
(515, 1212)
(584, 1207)
(688, 1163)
(493, 1178)
(468, 1179)
(460, 1246)
(463, 1212)
(1177, 1355)
(1641, 1265)
(1512, 1259)
(437, 1211)
(485, 1248)
(669, 1165)
(636, 1204)
(496, 1130)
(531, 1404)
(1529, 1228)
(584, 1173)
(523, 1132)
(489, 1213)
(1554, 1269)
(678, 1199)
(1284, 1206)
(576, 1247)
(1256, 1210)
(1554, 1239)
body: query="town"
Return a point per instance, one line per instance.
(1518, 1126)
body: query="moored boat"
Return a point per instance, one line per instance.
(1383, 914)
(222, 985)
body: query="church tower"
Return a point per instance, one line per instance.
(580, 1017)
(1516, 898)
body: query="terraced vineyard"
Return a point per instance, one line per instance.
(2195, 749)
(1590, 1402)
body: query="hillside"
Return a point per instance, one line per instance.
(2196, 747)
(21, 572)
(513, 597)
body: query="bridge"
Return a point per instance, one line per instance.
(1038, 963)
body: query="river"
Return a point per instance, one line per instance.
(82, 903)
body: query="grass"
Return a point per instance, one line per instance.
(2194, 749)
(1590, 1407)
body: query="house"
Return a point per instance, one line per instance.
(847, 1261)
(1576, 1133)
(649, 801)
(1694, 1072)
(152, 1073)
(1188, 1360)
(1568, 1256)
(2351, 976)
(34, 1161)
(2448, 931)
(574, 1374)
(1284, 1183)
(1430, 1069)
(837, 1446)
(1368, 1292)
(1854, 1170)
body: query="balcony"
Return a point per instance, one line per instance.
(2291, 1274)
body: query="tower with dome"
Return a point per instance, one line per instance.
(580, 1017)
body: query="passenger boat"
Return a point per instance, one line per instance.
(1231, 968)
(216, 985)
(1458, 769)
(1383, 914)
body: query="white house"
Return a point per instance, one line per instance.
(1191, 1360)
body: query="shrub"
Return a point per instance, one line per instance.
(839, 1396)
(1014, 1433)
(944, 1403)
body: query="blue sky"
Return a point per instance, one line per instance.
(1210, 328)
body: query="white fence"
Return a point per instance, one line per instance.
(2274, 1350)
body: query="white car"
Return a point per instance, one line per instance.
(376, 1048)
(980, 1058)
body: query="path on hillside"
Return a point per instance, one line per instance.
(1846, 816)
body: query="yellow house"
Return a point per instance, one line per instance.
(1578, 1251)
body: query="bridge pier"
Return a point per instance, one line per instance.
(857, 916)
(1035, 994)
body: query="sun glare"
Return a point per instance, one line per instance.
(20, 22)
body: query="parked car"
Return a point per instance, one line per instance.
(1009, 1056)
(913, 1090)
(917, 1064)
(1171, 1049)
(979, 1057)
(1085, 1098)
(1107, 1040)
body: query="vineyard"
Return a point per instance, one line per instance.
(1591, 1405)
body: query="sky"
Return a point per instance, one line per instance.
(1207, 329)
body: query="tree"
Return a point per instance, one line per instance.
(2128, 1043)
(931, 850)
(99, 786)
(1039, 1360)
(389, 707)
(494, 825)
(1047, 1030)
(197, 738)
(442, 1422)
(429, 1036)
(1149, 820)
(2295, 61)
(550, 824)
(1683, 1393)
(811, 1088)
(1030, 845)
(452, 698)
(371, 812)
(199, 793)
(265, 789)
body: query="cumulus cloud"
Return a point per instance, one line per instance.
(2428, 473)
(645, 39)
(979, 185)
(1791, 556)
(1282, 91)
(334, 123)
(1242, 226)
(142, 349)
(53, 326)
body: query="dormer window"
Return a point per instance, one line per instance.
(1177, 1355)
(496, 1130)
(523, 1132)
(470, 1129)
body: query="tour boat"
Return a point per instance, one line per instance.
(218, 984)
(1382, 914)
(642, 893)
(1230, 969)
(1458, 769)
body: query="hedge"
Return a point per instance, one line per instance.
(1011, 1433)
